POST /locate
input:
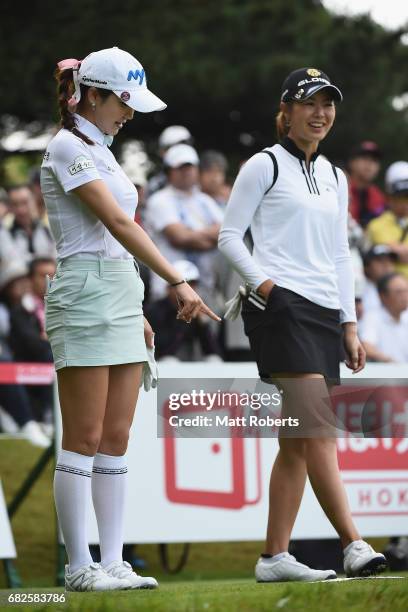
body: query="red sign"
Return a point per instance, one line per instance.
(27, 373)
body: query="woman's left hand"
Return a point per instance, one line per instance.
(355, 353)
(148, 333)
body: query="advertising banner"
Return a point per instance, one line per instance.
(185, 488)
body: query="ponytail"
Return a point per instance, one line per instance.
(65, 90)
(282, 127)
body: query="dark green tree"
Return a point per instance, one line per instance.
(219, 65)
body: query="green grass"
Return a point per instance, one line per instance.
(244, 595)
(218, 576)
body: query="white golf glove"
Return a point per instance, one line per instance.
(233, 306)
(150, 372)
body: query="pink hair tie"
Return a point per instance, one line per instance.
(72, 104)
(69, 63)
(74, 64)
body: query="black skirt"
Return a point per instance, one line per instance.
(289, 333)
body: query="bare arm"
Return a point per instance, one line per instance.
(183, 237)
(101, 202)
(373, 354)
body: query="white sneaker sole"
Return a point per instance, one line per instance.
(371, 568)
(331, 577)
(70, 589)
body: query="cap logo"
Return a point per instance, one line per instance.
(299, 94)
(138, 75)
(86, 79)
(313, 72)
(313, 80)
(125, 96)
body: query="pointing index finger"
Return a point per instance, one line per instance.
(209, 313)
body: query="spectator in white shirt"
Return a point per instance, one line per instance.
(384, 331)
(379, 261)
(183, 221)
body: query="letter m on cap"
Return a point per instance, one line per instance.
(138, 75)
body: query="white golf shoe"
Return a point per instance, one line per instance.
(360, 559)
(93, 577)
(124, 571)
(287, 569)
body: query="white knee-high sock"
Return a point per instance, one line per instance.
(72, 492)
(109, 478)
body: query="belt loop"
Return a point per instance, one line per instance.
(101, 266)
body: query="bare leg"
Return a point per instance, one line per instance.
(297, 457)
(285, 493)
(324, 476)
(82, 394)
(123, 391)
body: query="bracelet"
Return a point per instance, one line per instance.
(178, 283)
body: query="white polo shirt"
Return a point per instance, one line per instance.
(389, 336)
(299, 227)
(68, 163)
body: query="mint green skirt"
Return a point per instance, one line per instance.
(93, 313)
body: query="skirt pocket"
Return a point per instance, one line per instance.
(65, 289)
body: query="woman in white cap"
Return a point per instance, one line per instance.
(94, 319)
(298, 305)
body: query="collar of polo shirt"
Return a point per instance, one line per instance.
(91, 130)
(292, 148)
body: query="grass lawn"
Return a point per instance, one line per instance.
(375, 595)
(218, 576)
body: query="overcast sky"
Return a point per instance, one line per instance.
(389, 13)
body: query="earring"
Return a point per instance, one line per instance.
(93, 105)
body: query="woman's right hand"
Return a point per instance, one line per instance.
(265, 288)
(191, 305)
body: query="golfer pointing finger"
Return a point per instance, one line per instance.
(94, 316)
(299, 297)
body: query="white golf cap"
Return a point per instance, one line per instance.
(187, 270)
(172, 135)
(120, 72)
(396, 178)
(179, 155)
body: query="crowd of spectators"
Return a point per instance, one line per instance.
(181, 207)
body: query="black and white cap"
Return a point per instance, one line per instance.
(305, 82)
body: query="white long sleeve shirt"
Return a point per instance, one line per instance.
(299, 227)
